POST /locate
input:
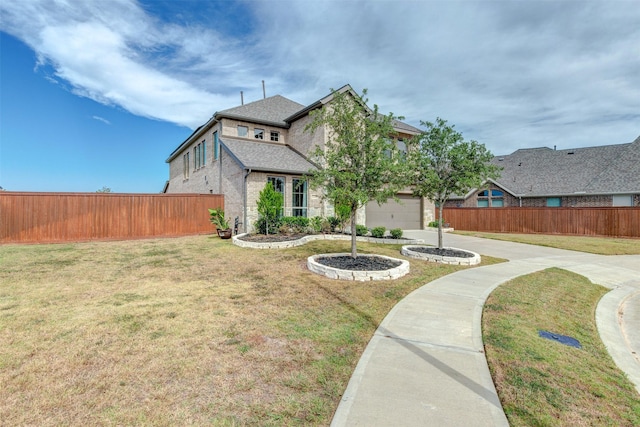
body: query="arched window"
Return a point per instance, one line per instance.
(492, 199)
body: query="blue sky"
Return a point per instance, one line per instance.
(98, 93)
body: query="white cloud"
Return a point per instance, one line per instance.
(101, 119)
(508, 74)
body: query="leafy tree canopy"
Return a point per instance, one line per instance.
(359, 161)
(445, 164)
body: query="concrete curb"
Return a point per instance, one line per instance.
(360, 276)
(407, 250)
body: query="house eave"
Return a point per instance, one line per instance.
(194, 136)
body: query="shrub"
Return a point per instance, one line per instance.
(316, 224)
(334, 222)
(396, 233)
(261, 225)
(361, 230)
(434, 223)
(297, 224)
(378, 231)
(269, 207)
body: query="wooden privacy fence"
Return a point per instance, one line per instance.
(62, 217)
(613, 222)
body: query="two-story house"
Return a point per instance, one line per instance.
(240, 149)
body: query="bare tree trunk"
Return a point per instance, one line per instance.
(440, 225)
(354, 253)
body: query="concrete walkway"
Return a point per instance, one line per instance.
(425, 364)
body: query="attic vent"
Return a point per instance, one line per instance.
(501, 159)
(571, 152)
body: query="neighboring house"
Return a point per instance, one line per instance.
(607, 175)
(240, 149)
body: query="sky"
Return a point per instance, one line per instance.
(98, 93)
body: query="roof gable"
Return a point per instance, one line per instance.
(273, 110)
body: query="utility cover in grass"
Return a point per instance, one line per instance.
(562, 339)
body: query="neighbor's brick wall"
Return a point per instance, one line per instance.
(541, 202)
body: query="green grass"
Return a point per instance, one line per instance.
(544, 383)
(183, 331)
(594, 245)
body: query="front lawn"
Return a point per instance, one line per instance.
(183, 331)
(542, 382)
(594, 245)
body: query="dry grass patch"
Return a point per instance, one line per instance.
(186, 331)
(594, 245)
(542, 382)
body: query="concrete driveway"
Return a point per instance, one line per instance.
(425, 364)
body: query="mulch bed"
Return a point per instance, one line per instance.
(361, 263)
(442, 252)
(271, 238)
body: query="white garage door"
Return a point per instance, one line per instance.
(405, 214)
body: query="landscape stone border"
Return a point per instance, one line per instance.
(361, 276)
(292, 243)
(406, 251)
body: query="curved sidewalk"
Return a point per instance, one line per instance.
(425, 364)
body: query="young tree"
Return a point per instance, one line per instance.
(269, 208)
(443, 164)
(358, 162)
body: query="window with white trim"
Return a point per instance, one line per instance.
(299, 197)
(258, 133)
(216, 146)
(275, 136)
(186, 165)
(242, 130)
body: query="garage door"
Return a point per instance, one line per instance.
(405, 214)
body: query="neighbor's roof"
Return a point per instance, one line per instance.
(273, 110)
(266, 156)
(537, 172)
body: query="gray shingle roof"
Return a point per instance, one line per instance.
(269, 110)
(604, 169)
(265, 156)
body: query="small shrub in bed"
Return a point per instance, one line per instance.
(396, 233)
(378, 232)
(361, 230)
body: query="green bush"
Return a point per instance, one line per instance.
(378, 232)
(361, 230)
(316, 223)
(396, 233)
(334, 222)
(297, 224)
(434, 223)
(269, 208)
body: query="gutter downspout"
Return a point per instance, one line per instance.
(247, 172)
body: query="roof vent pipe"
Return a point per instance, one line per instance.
(264, 92)
(241, 98)
(554, 148)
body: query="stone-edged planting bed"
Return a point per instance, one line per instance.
(322, 264)
(283, 244)
(453, 256)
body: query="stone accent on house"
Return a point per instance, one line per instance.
(360, 276)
